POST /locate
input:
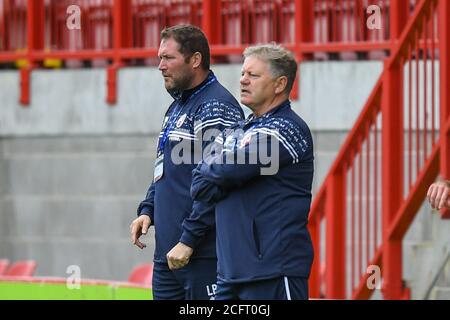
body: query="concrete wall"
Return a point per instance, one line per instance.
(73, 169)
(69, 201)
(73, 101)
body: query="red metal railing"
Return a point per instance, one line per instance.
(184, 12)
(335, 22)
(13, 25)
(242, 21)
(148, 18)
(402, 131)
(114, 33)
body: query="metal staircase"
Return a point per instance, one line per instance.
(378, 182)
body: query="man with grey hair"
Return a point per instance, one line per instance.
(264, 248)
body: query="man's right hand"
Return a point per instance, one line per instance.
(138, 227)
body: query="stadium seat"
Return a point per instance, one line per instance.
(21, 268)
(142, 274)
(4, 263)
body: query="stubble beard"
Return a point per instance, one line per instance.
(181, 83)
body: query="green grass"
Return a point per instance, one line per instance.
(12, 290)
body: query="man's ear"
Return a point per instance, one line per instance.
(280, 84)
(196, 60)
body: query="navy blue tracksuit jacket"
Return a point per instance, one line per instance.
(261, 218)
(168, 202)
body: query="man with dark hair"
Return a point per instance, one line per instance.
(264, 249)
(190, 41)
(185, 260)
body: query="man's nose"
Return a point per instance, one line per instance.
(162, 65)
(244, 79)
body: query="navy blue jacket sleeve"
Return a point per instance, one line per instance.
(213, 179)
(198, 223)
(147, 205)
(210, 120)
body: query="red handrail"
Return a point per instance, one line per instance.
(381, 210)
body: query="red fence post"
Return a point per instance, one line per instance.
(123, 38)
(304, 32)
(212, 23)
(35, 39)
(335, 274)
(122, 20)
(25, 75)
(398, 18)
(304, 23)
(444, 47)
(392, 177)
(314, 278)
(35, 27)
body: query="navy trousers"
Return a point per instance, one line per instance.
(195, 281)
(281, 288)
